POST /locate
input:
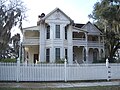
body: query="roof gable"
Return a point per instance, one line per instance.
(57, 14)
(91, 28)
(32, 28)
(78, 25)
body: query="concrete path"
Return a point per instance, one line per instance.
(56, 84)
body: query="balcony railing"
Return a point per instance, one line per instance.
(76, 42)
(95, 44)
(78, 38)
(83, 42)
(31, 41)
(79, 42)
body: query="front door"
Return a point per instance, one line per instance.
(35, 57)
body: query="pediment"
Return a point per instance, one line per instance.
(91, 29)
(58, 15)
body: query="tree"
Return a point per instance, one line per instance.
(106, 15)
(12, 12)
(16, 42)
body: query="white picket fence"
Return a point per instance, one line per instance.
(58, 72)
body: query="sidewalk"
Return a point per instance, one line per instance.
(56, 84)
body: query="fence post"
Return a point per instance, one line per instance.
(108, 70)
(65, 67)
(18, 69)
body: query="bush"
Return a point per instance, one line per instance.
(8, 60)
(103, 60)
(60, 61)
(117, 60)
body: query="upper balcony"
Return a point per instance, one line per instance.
(31, 41)
(82, 39)
(31, 38)
(95, 44)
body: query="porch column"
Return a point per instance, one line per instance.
(52, 49)
(86, 47)
(103, 46)
(62, 36)
(103, 53)
(23, 53)
(24, 35)
(42, 43)
(99, 40)
(23, 48)
(83, 54)
(70, 45)
(99, 47)
(99, 53)
(70, 54)
(86, 37)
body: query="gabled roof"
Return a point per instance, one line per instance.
(79, 29)
(92, 25)
(57, 9)
(78, 25)
(98, 28)
(31, 28)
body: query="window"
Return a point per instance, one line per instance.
(84, 54)
(48, 32)
(57, 31)
(66, 33)
(65, 53)
(47, 55)
(57, 53)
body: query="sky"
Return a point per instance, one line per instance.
(77, 10)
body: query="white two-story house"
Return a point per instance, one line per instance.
(56, 37)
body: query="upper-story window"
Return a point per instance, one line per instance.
(57, 33)
(66, 33)
(48, 32)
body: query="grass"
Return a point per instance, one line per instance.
(8, 60)
(82, 88)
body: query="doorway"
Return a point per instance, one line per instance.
(35, 58)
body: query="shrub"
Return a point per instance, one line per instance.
(99, 61)
(8, 60)
(60, 61)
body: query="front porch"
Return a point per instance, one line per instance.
(89, 55)
(30, 53)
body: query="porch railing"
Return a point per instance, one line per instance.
(31, 40)
(78, 38)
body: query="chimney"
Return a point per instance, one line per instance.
(39, 18)
(42, 15)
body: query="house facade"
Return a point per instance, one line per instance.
(57, 37)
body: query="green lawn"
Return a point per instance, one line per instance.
(83, 88)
